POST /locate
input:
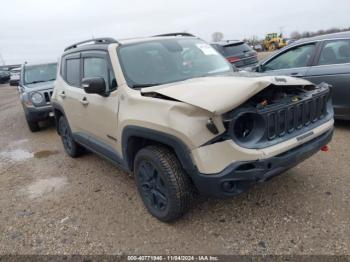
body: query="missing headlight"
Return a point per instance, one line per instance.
(247, 128)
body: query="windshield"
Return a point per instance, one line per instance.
(40, 73)
(164, 61)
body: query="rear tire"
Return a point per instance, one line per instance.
(164, 187)
(33, 125)
(273, 47)
(72, 148)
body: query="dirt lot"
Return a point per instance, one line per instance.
(263, 55)
(52, 204)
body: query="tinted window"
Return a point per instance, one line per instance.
(73, 71)
(335, 52)
(293, 58)
(237, 49)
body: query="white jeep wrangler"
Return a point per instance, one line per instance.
(173, 112)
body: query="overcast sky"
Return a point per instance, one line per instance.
(38, 30)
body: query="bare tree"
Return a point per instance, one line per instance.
(295, 35)
(217, 36)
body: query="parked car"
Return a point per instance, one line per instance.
(319, 59)
(4, 76)
(35, 88)
(170, 110)
(15, 74)
(237, 52)
(258, 47)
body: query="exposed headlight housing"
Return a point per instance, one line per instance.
(37, 98)
(247, 128)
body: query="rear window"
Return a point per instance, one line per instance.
(237, 49)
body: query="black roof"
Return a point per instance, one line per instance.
(95, 41)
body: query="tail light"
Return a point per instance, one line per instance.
(233, 59)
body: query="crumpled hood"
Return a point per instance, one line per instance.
(40, 86)
(220, 94)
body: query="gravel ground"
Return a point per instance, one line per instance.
(52, 204)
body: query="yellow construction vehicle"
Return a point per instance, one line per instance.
(273, 41)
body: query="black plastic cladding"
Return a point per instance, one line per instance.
(102, 40)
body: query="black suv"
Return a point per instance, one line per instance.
(4, 76)
(237, 52)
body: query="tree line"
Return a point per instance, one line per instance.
(298, 35)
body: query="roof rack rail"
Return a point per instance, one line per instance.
(175, 34)
(102, 40)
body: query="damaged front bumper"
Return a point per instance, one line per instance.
(240, 176)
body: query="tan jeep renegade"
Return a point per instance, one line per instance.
(173, 112)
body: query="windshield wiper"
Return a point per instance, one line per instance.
(41, 81)
(145, 85)
(34, 82)
(215, 74)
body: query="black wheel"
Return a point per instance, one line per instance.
(273, 47)
(164, 187)
(33, 125)
(71, 147)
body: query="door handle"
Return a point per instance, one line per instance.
(84, 101)
(63, 94)
(297, 74)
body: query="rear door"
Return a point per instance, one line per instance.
(70, 92)
(333, 67)
(294, 61)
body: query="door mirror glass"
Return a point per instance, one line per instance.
(94, 85)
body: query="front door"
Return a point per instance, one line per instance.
(100, 112)
(292, 62)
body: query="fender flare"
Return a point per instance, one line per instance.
(56, 106)
(181, 150)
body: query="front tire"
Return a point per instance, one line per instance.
(164, 187)
(72, 148)
(33, 125)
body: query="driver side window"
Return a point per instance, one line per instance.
(296, 57)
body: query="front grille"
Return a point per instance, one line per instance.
(289, 112)
(47, 95)
(289, 119)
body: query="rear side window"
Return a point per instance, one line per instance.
(237, 49)
(73, 71)
(335, 52)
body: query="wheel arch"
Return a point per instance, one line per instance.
(58, 112)
(134, 138)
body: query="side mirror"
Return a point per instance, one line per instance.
(259, 68)
(94, 85)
